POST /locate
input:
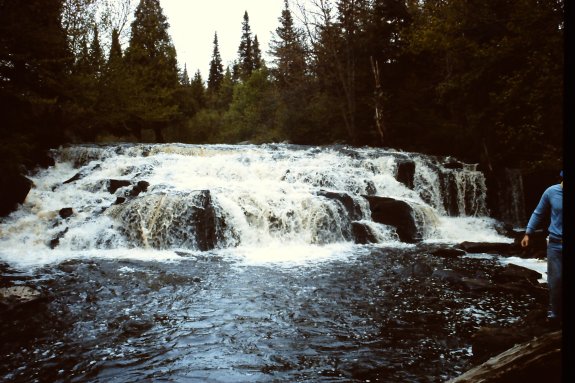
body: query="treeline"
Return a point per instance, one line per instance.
(482, 81)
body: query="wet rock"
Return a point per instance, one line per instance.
(448, 252)
(184, 221)
(353, 210)
(452, 163)
(399, 214)
(141, 186)
(15, 296)
(13, 191)
(114, 185)
(81, 174)
(448, 276)
(56, 241)
(75, 177)
(66, 212)
(513, 273)
(476, 284)
(486, 247)
(119, 200)
(417, 270)
(406, 172)
(362, 234)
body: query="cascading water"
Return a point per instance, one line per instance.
(246, 263)
(223, 196)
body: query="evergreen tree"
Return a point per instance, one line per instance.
(115, 55)
(226, 91)
(82, 64)
(115, 92)
(257, 53)
(198, 91)
(216, 74)
(96, 55)
(246, 62)
(184, 78)
(34, 65)
(289, 72)
(288, 51)
(151, 59)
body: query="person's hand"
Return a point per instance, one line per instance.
(525, 241)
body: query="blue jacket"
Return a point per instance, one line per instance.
(550, 207)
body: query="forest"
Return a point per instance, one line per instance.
(481, 81)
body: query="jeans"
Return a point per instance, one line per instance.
(554, 278)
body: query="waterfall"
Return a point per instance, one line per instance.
(208, 197)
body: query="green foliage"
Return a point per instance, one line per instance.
(34, 62)
(151, 62)
(249, 56)
(500, 74)
(216, 76)
(253, 113)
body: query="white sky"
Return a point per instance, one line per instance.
(194, 22)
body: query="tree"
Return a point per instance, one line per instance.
(253, 113)
(258, 60)
(151, 59)
(216, 75)
(288, 50)
(499, 80)
(96, 55)
(34, 63)
(289, 71)
(184, 77)
(115, 92)
(246, 59)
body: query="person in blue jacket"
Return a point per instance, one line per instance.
(550, 208)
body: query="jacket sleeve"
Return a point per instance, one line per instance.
(539, 214)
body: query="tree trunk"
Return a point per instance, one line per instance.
(538, 360)
(378, 102)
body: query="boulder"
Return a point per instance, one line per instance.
(186, 220)
(362, 233)
(396, 213)
(16, 296)
(353, 210)
(486, 247)
(114, 185)
(13, 191)
(66, 212)
(448, 252)
(513, 273)
(406, 172)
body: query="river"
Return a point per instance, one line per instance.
(221, 263)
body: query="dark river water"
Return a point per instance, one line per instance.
(211, 318)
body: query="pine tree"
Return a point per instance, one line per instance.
(34, 68)
(257, 53)
(246, 50)
(96, 55)
(198, 91)
(216, 75)
(288, 51)
(151, 59)
(115, 49)
(115, 90)
(184, 78)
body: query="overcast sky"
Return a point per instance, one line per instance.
(194, 22)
